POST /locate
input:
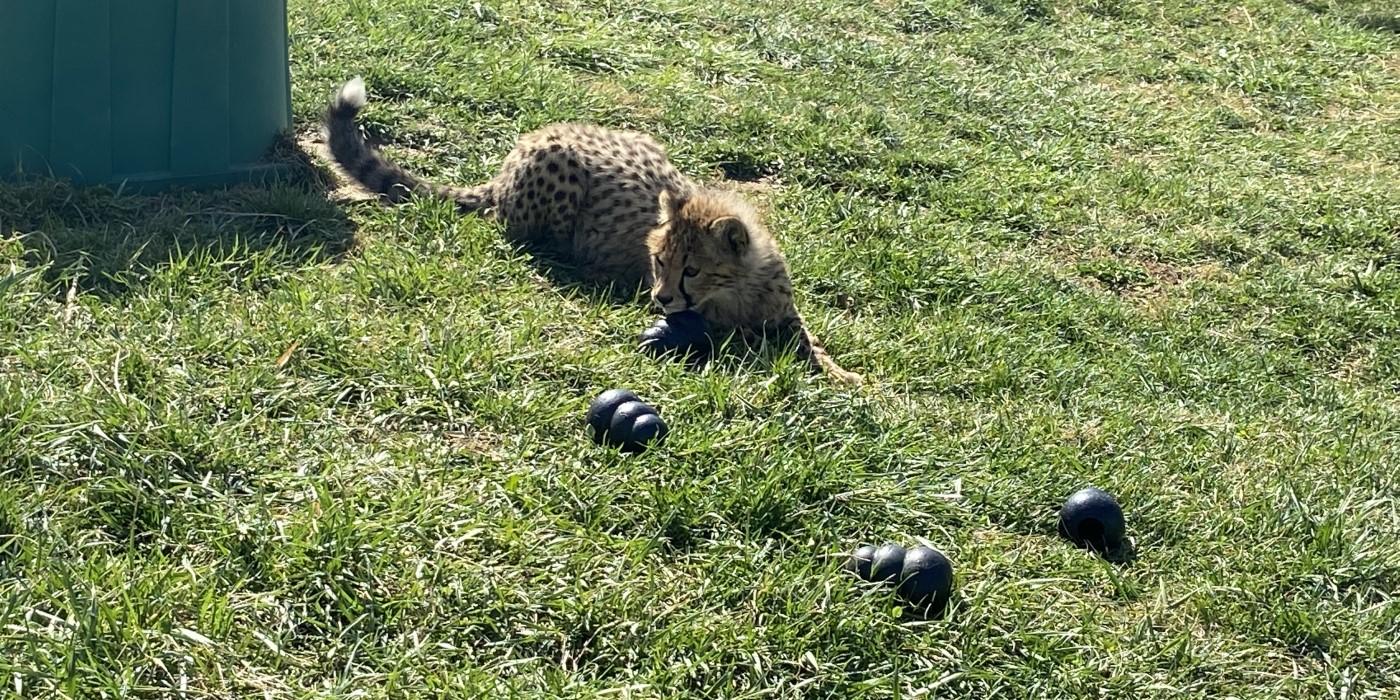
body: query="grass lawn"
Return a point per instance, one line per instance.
(284, 443)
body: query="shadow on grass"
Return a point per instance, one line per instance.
(105, 241)
(1380, 22)
(1124, 552)
(1366, 14)
(556, 269)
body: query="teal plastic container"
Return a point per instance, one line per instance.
(146, 92)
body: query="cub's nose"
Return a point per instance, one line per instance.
(665, 300)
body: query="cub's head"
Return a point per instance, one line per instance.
(704, 241)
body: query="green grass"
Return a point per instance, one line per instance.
(1151, 246)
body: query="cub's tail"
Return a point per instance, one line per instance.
(369, 168)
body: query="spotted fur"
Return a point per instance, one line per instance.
(613, 202)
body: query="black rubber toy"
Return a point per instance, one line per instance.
(634, 425)
(921, 576)
(886, 563)
(600, 412)
(646, 429)
(859, 562)
(926, 578)
(683, 333)
(1092, 518)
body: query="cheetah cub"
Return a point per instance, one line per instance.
(615, 205)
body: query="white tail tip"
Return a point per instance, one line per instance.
(353, 93)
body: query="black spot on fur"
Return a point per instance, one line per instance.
(559, 196)
(552, 167)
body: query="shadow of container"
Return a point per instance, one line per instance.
(145, 93)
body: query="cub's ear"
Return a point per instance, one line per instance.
(732, 230)
(668, 204)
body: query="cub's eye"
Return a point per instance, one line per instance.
(657, 260)
(691, 272)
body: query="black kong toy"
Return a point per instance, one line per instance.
(683, 333)
(859, 562)
(921, 575)
(600, 412)
(926, 577)
(1092, 518)
(886, 563)
(619, 418)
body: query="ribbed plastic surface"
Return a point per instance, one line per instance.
(147, 91)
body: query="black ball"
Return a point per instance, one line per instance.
(624, 420)
(859, 562)
(886, 563)
(1092, 518)
(926, 577)
(600, 412)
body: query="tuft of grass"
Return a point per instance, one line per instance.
(280, 443)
